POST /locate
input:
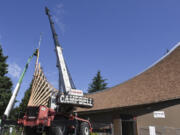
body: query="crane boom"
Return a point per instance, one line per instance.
(16, 90)
(64, 76)
(71, 96)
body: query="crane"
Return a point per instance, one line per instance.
(59, 118)
(65, 82)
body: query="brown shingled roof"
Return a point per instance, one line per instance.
(161, 82)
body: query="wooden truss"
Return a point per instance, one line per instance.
(41, 89)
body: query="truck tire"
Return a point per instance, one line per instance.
(84, 129)
(31, 131)
(58, 130)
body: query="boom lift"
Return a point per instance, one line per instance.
(59, 117)
(16, 90)
(10, 105)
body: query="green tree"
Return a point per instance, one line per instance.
(98, 83)
(5, 83)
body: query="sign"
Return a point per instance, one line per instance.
(152, 130)
(10, 130)
(77, 100)
(159, 114)
(76, 92)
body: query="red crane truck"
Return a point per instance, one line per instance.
(59, 117)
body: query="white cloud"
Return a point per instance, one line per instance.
(59, 9)
(58, 16)
(14, 70)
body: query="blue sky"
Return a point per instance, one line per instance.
(119, 37)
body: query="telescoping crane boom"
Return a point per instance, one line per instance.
(16, 90)
(64, 77)
(70, 95)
